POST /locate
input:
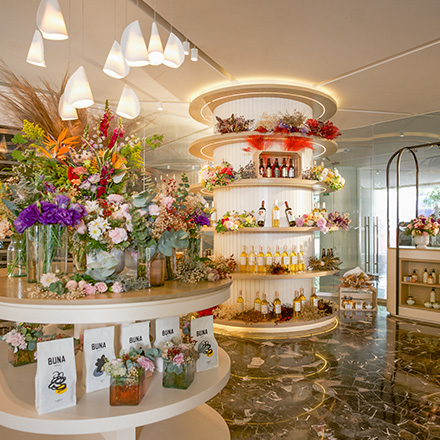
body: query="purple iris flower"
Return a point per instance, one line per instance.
(64, 217)
(62, 202)
(48, 213)
(201, 218)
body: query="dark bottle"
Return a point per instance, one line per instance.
(261, 215)
(289, 215)
(291, 169)
(269, 171)
(262, 173)
(276, 169)
(331, 252)
(284, 169)
(323, 253)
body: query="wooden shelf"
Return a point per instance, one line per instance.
(260, 276)
(260, 230)
(418, 284)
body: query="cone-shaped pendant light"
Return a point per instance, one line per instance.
(78, 93)
(116, 66)
(133, 45)
(128, 106)
(66, 111)
(174, 53)
(36, 51)
(50, 20)
(155, 49)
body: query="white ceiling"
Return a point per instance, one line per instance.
(380, 59)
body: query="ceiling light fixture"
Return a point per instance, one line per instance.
(116, 65)
(194, 54)
(66, 111)
(186, 47)
(36, 50)
(78, 93)
(133, 45)
(174, 54)
(155, 48)
(50, 20)
(159, 106)
(128, 106)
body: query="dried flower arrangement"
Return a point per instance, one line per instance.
(325, 263)
(356, 281)
(233, 124)
(248, 171)
(277, 269)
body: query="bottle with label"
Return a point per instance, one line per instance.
(331, 253)
(425, 276)
(293, 261)
(434, 277)
(302, 298)
(252, 261)
(277, 256)
(285, 258)
(257, 302)
(432, 296)
(301, 260)
(261, 268)
(275, 215)
(323, 210)
(264, 306)
(244, 260)
(314, 298)
(316, 211)
(276, 169)
(269, 257)
(296, 305)
(261, 169)
(269, 171)
(323, 253)
(284, 169)
(240, 303)
(277, 305)
(414, 276)
(213, 218)
(430, 279)
(289, 215)
(291, 170)
(261, 215)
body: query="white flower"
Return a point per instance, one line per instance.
(102, 223)
(48, 278)
(95, 230)
(92, 206)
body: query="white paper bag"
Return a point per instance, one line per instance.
(356, 271)
(55, 381)
(135, 335)
(98, 346)
(202, 331)
(167, 329)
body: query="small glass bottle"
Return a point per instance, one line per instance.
(277, 257)
(264, 307)
(301, 260)
(302, 298)
(269, 258)
(284, 169)
(275, 215)
(16, 256)
(432, 295)
(285, 258)
(252, 261)
(277, 305)
(289, 215)
(257, 302)
(414, 276)
(296, 305)
(291, 170)
(425, 276)
(243, 260)
(434, 277)
(262, 172)
(269, 170)
(293, 261)
(314, 298)
(240, 303)
(276, 169)
(261, 268)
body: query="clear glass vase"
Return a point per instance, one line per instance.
(143, 262)
(180, 381)
(16, 256)
(128, 390)
(80, 260)
(52, 250)
(157, 269)
(32, 235)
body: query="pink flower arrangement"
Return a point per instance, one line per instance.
(423, 225)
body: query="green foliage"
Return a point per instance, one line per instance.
(433, 197)
(170, 240)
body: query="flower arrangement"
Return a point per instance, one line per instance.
(24, 336)
(325, 263)
(219, 175)
(277, 269)
(220, 267)
(356, 281)
(233, 124)
(191, 270)
(423, 225)
(177, 355)
(340, 220)
(324, 221)
(322, 129)
(232, 221)
(332, 179)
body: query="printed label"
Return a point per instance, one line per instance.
(240, 307)
(286, 261)
(243, 261)
(260, 261)
(277, 259)
(264, 309)
(278, 309)
(257, 307)
(297, 307)
(315, 302)
(290, 215)
(269, 261)
(252, 260)
(295, 260)
(276, 215)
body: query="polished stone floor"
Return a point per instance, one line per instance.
(373, 377)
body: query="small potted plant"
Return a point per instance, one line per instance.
(128, 375)
(179, 364)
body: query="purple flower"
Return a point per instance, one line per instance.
(62, 202)
(29, 216)
(64, 217)
(48, 213)
(49, 188)
(201, 218)
(80, 209)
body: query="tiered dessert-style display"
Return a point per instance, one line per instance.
(253, 101)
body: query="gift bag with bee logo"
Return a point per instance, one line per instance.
(99, 345)
(167, 329)
(135, 335)
(55, 381)
(202, 331)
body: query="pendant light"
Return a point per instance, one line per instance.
(36, 51)
(116, 66)
(155, 49)
(78, 93)
(128, 106)
(50, 20)
(186, 47)
(174, 53)
(133, 45)
(66, 111)
(194, 54)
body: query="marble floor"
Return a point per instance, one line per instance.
(374, 377)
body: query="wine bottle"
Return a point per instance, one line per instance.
(275, 215)
(289, 215)
(285, 258)
(329, 253)
(316, 211)
(213, 218)
(301, 260)
(284, 169)
(261, 215)
(323, 253)
(269, 171)
(277, 305)
(296, 305)
(291, 170)
(269, 257)
(264, 306)
(302, 298)
(313, 298)
(257, 302)
(434, 276)
(261, 268)
(277, 256)
(262, 173)
(252, 261)
(240, 302)
(276, 169)
(244, 260)
(323, 210)
(293, 261)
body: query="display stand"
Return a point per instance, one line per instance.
(359, 297)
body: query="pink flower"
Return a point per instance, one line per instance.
(71, 285)
(321, 222)
(90, 289)
(300, 222)
(118, 235)
(145, 363)
(81, 228)
(115, 198)
(213, 275)
(48, 278)
(119, 214)
(167, 202)
(153, 209)
(101, 286)
(117, 287)
(82, 284)
(80, 170)
(178, 359)
(16, 340)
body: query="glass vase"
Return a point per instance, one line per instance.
(21, 357)
(180, 381)
(131, 262)
(16, 256)
(170, 266)
(157, 269)
(80, 260)
(32, 235)
(128, 390)
(143, 262)
(52, 250)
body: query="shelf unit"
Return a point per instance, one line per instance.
(359, 297)
(299, 276)
(262, 230)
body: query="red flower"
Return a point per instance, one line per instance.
(71, 175)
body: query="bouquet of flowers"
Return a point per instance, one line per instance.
(313, 220)
(328, 262)
(322, 129)
(233, 124)
(220, 175)
(341, 221)
(356, 281)
(332, 179)
(220, 268)
(24, 336)
(423, 225)
(232, 221)
(177, 355)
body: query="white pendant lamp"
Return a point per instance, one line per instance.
(116, 66)
(133, 45)
(50, 20)
(66, 111)
(186, 47)
(194, 54)
(174, 53)
(155, 49)
(128, 106)
(78, 93)
(36, 51)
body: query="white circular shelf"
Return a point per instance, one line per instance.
(262, 230)
(172, 299)
(202, 107)
(204, 147)
(263, 276)
(93, 413)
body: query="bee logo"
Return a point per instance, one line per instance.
(205, 348)
(58, 383)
